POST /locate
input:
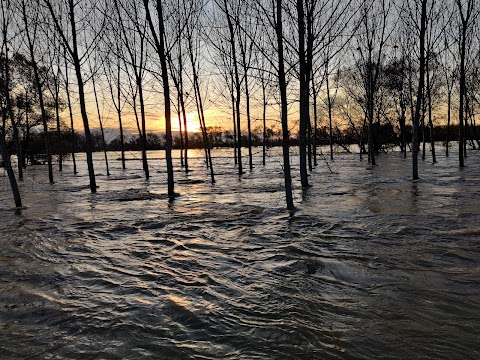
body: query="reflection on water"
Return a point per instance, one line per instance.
(370, 266)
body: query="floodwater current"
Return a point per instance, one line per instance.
(370, 266)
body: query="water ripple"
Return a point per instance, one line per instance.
(370, 266)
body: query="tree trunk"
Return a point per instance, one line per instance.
(201, 115)
(449, 110)
(119, 109)
(315, 123)
(371, 136)
(283, 96)
(39, 92)
(160, 45)
(420, 90)
(235, 143)
(185, 127)
(57, 120)
(430, 120)
(81, 95)
(26, 138)
(264, 121)
(73, 50)
(247, 98)
(143, 127)
(86, 126)
(104, 144)
(329, 105)
(461, 108)
(303, 95)
(11, 175)
(237, 88)
(6, 88)
(70, 113)
(424, 111)
(180, 130)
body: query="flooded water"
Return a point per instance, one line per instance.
(370, 265)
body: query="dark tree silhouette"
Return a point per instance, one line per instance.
(71, 45)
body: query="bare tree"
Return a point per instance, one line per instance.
(304, 75)
(247, 31)
(190, 28)
(225, 8)
(277, 21)
(421, 85)
(437, 20)
(54, 89)
(94, 73)
(371, 40)
(159, 41)
(6, 12)
(329, 102)
(133, 36)
(30, 26)
(69, 38)
(176, 64)
(450, 78)
(113, 73)
(70, 113)
(8, 166)
(466, 17)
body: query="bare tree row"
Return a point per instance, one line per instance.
(364, 66)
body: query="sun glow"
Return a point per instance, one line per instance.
(193, 124)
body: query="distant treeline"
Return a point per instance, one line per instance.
(388, 136)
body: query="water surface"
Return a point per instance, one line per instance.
(371, 265)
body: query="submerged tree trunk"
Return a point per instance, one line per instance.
(283, 96)
(449, 110)
(201, 114)
(430, 120)
(247, 99)
(11, 175)
(180, 130)
(249, 124)
(104, 143)
(118, 107)
(371, 135)
(304, 95)
(120, 123)
(235, 143)
(39, 89)
(421, 83)
(181, 112)
(424, 111)
(184, 114)
(160, 46)
(116, 95)
(73, 50)
(56, 94)
(465, 19)
(329, 105)
(8, 99)
(237, 87)
(26, 137)
(403, 130)
(88, 136)
(264, 122)
(315, 123)
(143, 128)
(309, 145)
(70, 113)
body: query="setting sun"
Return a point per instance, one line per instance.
(193, 124)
